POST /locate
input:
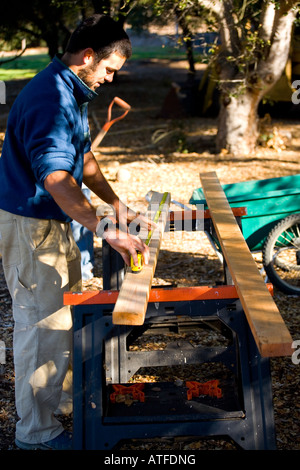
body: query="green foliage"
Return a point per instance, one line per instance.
(52, 21)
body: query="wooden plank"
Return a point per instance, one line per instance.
(268, 328)
(132, 302)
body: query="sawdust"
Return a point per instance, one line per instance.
(168, 155)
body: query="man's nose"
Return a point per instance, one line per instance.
(109, 77)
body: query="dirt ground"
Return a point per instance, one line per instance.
(144, 152)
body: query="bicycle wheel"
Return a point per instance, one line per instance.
(281, 255)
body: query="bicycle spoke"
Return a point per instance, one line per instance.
(281, 255)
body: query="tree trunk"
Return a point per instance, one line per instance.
(256, 74)
(238, 124)
(187, 34)
(52, 44)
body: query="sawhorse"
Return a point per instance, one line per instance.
(103, 357)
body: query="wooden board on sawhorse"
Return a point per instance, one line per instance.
(132, 302)
(268, 328)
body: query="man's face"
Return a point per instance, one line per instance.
(95, 74)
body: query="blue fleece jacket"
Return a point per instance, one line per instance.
(47, 130)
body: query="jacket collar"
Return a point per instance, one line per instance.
(82, 93)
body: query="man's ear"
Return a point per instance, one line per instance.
(88, 56)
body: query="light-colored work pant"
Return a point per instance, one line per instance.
(41, 261)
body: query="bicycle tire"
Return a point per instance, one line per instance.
(281, 255)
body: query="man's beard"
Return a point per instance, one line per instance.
(85, 74)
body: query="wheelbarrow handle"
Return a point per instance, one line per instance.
(109, 122)
(122, 105)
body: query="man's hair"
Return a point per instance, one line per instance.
(102, 34)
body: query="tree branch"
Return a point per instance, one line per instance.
(215, 6)
(267, 21)
(11, 59)
(228, 32)
(274, 63)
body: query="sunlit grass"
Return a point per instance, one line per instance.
(25, 67)
(174, 53)
(15, 74)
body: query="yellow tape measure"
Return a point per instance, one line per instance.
(139, 267)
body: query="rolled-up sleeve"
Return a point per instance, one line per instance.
(45, 164)
(52, 141)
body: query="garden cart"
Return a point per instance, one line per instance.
(272, 225)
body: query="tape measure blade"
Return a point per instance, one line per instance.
(157, 214)
(160, 203)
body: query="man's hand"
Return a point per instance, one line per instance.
(126, 216)
(126, 244)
